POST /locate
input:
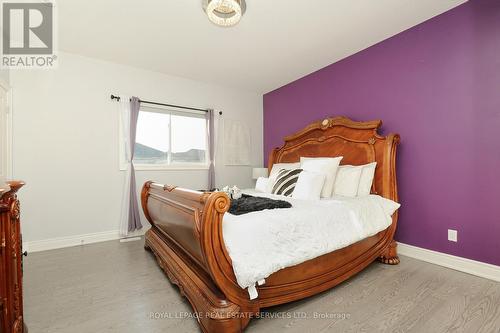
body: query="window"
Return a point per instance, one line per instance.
(167, 138)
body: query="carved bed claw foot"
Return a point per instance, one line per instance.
(389, 261)
(390, 256)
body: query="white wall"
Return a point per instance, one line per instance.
(5, 126)
(4, 76)
(66, 141)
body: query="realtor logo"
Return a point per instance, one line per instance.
(28, 35)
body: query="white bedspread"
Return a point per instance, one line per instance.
(261, 243)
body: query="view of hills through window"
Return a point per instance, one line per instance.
(165, 138)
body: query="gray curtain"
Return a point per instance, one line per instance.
(211, 148)
(134, 219)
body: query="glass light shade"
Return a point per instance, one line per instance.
(224, 13)
(259, 172)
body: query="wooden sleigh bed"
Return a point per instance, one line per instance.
(186, 233)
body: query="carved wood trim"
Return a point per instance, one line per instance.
(11, 261)
(169, 188)
(336, 121)
(15, 209)
(322, 139)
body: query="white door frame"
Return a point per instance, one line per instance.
(6, 150)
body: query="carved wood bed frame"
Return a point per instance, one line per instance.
(186, 233)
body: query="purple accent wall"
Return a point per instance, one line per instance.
(438, 85)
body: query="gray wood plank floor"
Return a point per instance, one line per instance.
(118, 287)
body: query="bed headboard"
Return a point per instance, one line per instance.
(358, 142)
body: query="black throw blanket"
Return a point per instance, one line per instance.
(248, 203)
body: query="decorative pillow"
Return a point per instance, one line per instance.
(309, 185)
(347, 180)
(285, 182)
(277, 167)
(325, 165)
(262, 185)
(366, 180)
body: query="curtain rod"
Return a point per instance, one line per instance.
(163, 104)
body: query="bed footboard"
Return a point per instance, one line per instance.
(186, 239)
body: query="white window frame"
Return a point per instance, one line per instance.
(171, 166)
(6, 132)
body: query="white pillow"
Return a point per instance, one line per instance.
(366, 180)
(325, 165)
(347, 180)
(309, 186)
(287, 166)
(262, 185)
(388, 205)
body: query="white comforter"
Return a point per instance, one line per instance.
(261, 243)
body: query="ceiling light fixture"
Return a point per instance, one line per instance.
(224, 13)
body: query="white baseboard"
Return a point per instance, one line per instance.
(130, 239)
(62, 242)
(473, 267)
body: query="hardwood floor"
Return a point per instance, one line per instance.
(118, 287)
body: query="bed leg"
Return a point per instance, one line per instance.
(390, 254)
(146, 246)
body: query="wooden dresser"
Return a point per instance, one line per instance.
(11, 256)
